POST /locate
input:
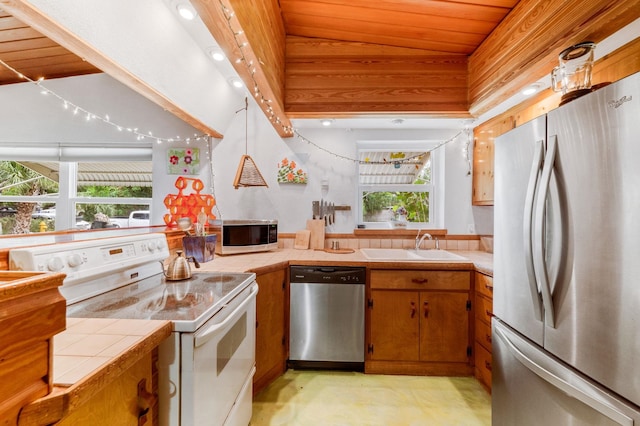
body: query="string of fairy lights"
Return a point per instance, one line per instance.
(408, 160)
(78, 110)
(252, 69)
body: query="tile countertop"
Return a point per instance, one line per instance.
(90, 345)
(88, 355)
(481, 261)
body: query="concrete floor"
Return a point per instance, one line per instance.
(345, 398)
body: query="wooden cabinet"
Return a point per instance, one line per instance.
(32, 311)
(121, 385)
(483, 313)
(483, 139)
(418, 322)
(128, 399)
(271, 327)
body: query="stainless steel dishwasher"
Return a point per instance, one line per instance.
(327, 317)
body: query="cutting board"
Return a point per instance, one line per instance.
(302, 240)
(316, 226)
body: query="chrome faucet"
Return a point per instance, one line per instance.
(419, 239)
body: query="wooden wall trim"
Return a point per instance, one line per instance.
(525, 45)
(263, 31)
(619, 64)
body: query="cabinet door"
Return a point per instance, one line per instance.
(394, 325)
(444, 327)
(483, 137)
(270, 328)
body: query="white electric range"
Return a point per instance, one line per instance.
(206, 367)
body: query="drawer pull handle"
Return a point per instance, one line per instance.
(413, 309)
(487, 365)
(426, 309)
(488, 337)
(489, 313)
(146, 400)
(420, 280)
(489, 287)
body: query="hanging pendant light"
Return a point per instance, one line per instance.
(247, 173)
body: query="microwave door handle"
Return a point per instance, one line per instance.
(209, 333)
(527, 228)
(539, 262)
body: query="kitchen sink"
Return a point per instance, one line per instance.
(437, 255)
(410, 255)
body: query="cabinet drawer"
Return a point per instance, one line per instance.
(483, 334)
(483, 364)
(484, 309)
(484, 284)
(420, 280)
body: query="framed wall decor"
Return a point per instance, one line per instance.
(287, 172)
(183, 161)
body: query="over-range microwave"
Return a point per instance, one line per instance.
(244, 236)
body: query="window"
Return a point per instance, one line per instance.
(39, 193)
(396, 185)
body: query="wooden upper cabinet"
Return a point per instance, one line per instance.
(621, 63)
(483, 138)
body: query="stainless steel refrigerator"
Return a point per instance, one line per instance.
(566, 331)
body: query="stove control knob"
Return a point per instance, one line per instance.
(74, 260)
(55, 264)
(152, 246)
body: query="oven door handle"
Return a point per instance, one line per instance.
(203, 338)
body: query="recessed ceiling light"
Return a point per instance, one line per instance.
(186, 11)
(530, 90)
(216, 53)
(236, 82)
(326, 122)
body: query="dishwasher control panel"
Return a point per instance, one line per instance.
(328, 274)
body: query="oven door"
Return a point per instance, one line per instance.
(217, 361)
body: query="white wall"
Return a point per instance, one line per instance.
(27, 115)
(291, 203)
(144, 38)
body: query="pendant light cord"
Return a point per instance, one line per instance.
(246, 124)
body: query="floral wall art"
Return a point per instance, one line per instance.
(183, 161)
(287, 172)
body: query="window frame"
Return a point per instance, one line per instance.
(66, 199)
(434, 188)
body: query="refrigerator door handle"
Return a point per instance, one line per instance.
(527, 228)
(567, 382)
(539, 263)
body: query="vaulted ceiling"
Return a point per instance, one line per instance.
(355, 58)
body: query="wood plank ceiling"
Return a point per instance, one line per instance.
(34, 55)
(350, 58)
(361, 57)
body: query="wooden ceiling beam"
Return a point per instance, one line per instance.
(524, 47)
(251, 34)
